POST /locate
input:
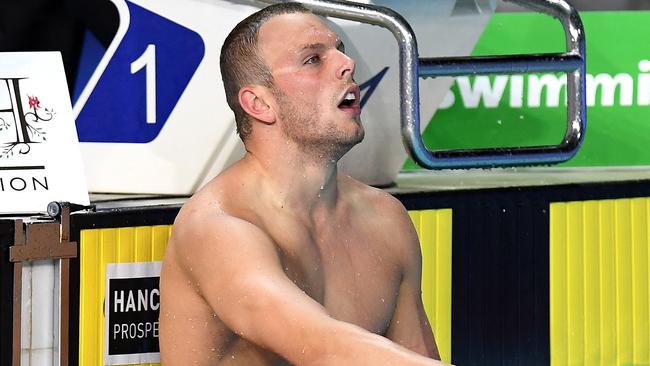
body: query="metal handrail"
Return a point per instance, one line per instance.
(412, 68)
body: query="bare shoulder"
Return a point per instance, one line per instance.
(382, 210)
(211, 220)
(219, 202)
(384, 215)
(377, 205)
(205, 221)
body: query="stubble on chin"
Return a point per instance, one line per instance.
(314, 138)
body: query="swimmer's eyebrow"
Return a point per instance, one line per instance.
(312, 46)
(321, 46)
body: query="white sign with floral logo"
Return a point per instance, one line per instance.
(40, 160)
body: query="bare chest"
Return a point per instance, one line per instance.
(350, 272)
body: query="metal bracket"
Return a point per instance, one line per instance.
(412, 68)
(38, 240)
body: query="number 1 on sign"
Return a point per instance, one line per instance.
(148, 60)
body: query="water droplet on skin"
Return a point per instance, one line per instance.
(382, 300)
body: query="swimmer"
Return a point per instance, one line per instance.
(281, 259)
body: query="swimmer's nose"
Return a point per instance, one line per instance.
(346, 68)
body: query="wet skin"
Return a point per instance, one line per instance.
(282, 260)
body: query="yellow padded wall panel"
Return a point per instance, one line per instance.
(592, 281)
(97, 248)
(640, 264)
(599, 278)
(434, 230)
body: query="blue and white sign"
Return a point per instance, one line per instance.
(153, 117)
(142, 82)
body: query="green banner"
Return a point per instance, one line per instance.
(530, 109)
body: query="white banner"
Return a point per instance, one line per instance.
(40, 159)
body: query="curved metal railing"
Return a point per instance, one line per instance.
(572, 62)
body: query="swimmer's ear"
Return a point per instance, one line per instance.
(253, 100)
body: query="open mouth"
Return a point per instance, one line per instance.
(350, 100)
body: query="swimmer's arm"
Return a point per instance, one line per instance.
(409, 326)
(240, 275)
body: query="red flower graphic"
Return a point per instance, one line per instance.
(34, 102)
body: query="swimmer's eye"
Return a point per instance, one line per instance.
(312, 60)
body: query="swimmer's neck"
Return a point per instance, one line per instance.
(305, 183)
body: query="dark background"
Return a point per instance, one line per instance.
(56, 25)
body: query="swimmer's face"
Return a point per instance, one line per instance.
(312, 77)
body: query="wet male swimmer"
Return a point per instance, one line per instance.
(281, 259)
